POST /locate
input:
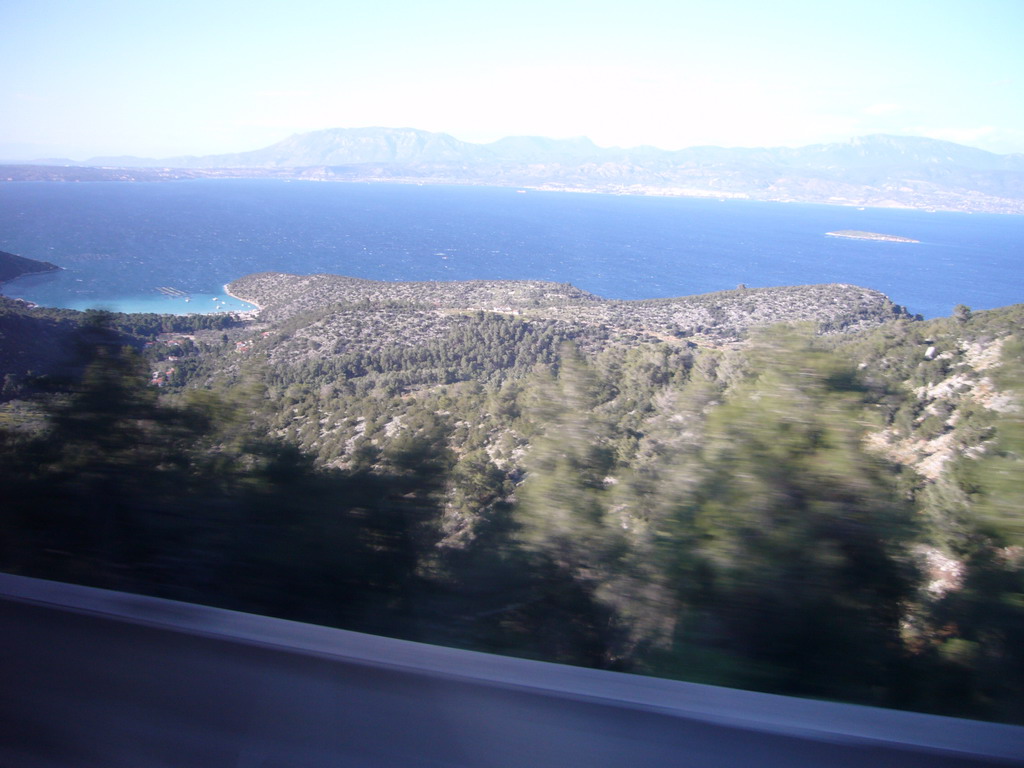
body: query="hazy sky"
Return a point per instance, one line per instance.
(84, 78)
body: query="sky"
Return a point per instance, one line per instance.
(86, 78)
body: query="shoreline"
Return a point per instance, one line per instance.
(55, 268)
(258, 308)
(856, 234)
(24, 172)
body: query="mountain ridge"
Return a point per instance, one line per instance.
(878, 170)
(332, 146)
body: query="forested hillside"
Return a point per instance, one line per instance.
(800, 490)
(12, 266)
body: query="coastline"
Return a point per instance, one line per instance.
(54, 268)
(252, 312)
(856, 234)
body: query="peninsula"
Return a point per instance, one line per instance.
(12, 266)
(857, 234)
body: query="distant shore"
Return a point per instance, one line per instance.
(856, 234)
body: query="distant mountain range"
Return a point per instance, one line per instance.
(879, 170)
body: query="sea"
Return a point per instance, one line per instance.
(172, 246)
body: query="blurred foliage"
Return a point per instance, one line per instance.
(788, 545)
(766, 515)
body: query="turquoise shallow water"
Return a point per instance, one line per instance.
(161, 304)
(119, 243)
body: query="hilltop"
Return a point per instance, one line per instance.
(424, 333)
(727, 315)
(348, 314)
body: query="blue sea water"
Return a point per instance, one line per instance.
(120, 243)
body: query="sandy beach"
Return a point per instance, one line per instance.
(246, 312)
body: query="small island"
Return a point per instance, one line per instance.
(857, 234)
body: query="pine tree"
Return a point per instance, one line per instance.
(788, 538)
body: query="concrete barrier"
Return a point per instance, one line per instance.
(90, 677)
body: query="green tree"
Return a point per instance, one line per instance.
(787, 542)
(563, 506)
(980, 627)
(570, 518)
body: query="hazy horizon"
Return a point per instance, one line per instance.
(108, 77)
(14, 157)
